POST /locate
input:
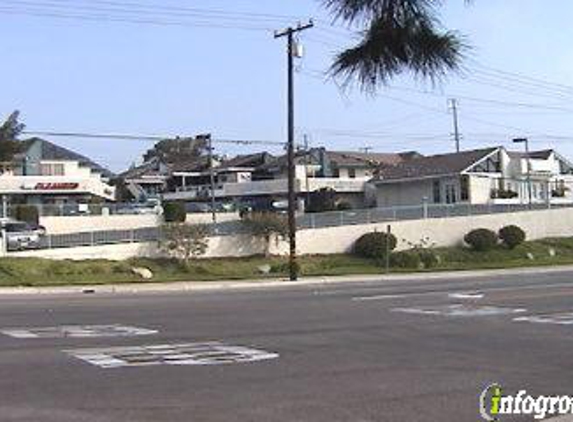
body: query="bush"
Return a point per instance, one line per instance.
(266, 226)
(375, 245)
(429, 258)
(344, 206)
(174, 212)
(405, 259)
(27, 213)
(512, 236)
(481, 239)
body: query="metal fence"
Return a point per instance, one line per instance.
(97, 238)
(415, 212)
(70, 210)
(306, 221)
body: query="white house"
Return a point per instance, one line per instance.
(46, 174)
(262, 177)
(484, 176)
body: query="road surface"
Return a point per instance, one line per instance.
(403, 350)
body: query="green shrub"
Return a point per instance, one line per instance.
(428, 258)
(344, 206)
(174, 212)
(481, 239)
(27, 213)
(405, 259)
(512, 236)
(375, 245)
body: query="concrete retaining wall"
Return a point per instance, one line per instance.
(441, 231)
(90, 223)
(333, 240)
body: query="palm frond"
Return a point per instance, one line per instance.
(403, 35)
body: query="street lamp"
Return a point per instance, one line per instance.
(526, 142)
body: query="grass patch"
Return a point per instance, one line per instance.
(41, 272)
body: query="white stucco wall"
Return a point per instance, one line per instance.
(334, 240)
(404, 194)
(90, 223)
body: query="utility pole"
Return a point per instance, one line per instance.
(292, 201)
(207, 137)
(454, 107)
(365, 150)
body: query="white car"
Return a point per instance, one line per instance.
(21, 235)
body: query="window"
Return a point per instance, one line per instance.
(52, 169)
(451, 194)
(335, 172)
(437, 191)
(465, 188)
(352, 173)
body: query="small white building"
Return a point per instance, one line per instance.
(484, 176)
(43, 173)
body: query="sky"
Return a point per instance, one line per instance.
(213, 66)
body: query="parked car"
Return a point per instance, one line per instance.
(21, 235)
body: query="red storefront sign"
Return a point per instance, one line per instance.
(56, 186)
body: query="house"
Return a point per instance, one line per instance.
(262, 178)
(43, 173)
(483, 176)
(160, 176)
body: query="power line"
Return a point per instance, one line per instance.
(135, 7)
(526, 78)
(136, 137)
(107, 18)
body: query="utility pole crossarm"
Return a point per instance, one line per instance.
(299, 28)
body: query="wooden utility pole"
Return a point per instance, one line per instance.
(292, 200)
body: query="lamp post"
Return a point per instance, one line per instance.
(526, 142)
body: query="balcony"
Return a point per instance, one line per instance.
(267, 187)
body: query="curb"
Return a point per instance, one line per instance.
(205, 286)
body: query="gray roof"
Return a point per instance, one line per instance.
(360, 159)
(434, 165)
(541, 155)
(51, 151)
(248, 161)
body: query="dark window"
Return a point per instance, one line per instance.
(437, 192)
(352, 173)
(465, 188)
(335, 172)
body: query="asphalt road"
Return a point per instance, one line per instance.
(356, 352)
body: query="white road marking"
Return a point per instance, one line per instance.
(77, 331)
(466, 295)
(560, 318)
(460, 310)
(439, 293)
(567, 418)
(209, 353)
(382, 297)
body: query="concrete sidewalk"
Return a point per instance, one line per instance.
(168, 287)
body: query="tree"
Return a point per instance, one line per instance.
(267, 225)
(9, 132)
(185, 241)
(398, 36)
(178, 149)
